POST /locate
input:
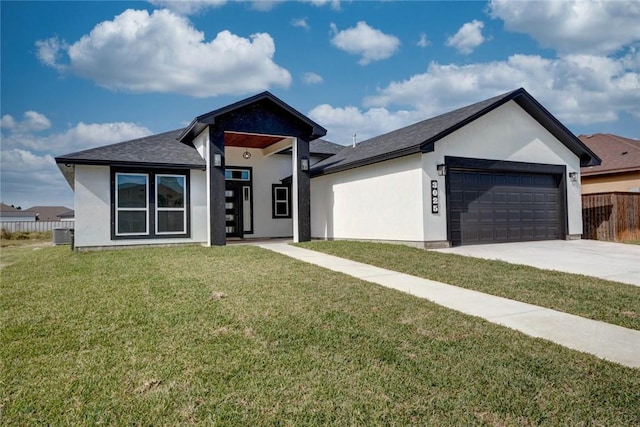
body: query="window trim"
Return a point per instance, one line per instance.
(152, 210)
(159, 209)
(275, 201)
(118, 209)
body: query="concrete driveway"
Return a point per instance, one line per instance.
(611, 261)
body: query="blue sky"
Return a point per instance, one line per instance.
(77, 75)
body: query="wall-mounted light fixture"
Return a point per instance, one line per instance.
(442, 170)
(304, 164)
(217, 160)
(573, 176)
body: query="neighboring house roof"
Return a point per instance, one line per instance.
(421, 136)
(68, 214)
(618, 154)
(154, 150)
(201, 122)
(49, 213)
(7, 211)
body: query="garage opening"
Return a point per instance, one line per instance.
(504, 202)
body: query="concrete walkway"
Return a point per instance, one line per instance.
(609, 342)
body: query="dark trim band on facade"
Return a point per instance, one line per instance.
(502, 165)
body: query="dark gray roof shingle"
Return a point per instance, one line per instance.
(159, 150)
(420, 137)
(322, 146)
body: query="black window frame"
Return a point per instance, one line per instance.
(274, 214)
(151, 203)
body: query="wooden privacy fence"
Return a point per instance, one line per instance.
(30, 226)
(611, 216)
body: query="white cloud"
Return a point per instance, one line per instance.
(335, 4)
(423, 41)
(27, 154)
(468, 37)
(188, 7)
(79, 137)
(577, 89)
(573, 26)
(163, 52)
(32, 122)
(49, 52)
(312, 78)
(301, 23)
(30, 179)
(370, 43)
(342, 123)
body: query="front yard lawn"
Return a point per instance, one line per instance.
(242, 336)
(611, 302)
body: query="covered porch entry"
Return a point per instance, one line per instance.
(250, 147)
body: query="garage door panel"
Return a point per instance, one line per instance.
(503, 206)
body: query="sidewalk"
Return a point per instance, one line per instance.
(606, 341)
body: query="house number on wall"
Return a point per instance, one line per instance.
(434, 197)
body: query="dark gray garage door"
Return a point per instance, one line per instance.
(494, 206)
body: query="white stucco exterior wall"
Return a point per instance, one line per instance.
(92, 196)
(506, 133)
(392, 200)
(378, 202)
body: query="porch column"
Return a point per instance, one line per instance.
(301, 192)
(217, 222)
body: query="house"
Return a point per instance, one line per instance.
(68, 215)
(620, 167)
(11, 214)
(500, 170)
(49, 213)
(494, 171)
(219, 178)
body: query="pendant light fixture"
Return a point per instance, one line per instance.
(246, 155)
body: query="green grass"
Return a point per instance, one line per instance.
(243, 336)
(585, 296)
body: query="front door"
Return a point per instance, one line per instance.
(238, 201)
(233, 207)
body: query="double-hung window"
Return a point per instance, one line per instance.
(149, 204)
(171, 211)
(281, 201)
(132, 204)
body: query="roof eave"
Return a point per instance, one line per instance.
(556, 128)
(364, 162)
(153, 165)
(586, 172)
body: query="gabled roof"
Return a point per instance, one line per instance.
(161, 150)
(201, 122)
(618, 154)
(68, 214)
(421, 137)
(49, 213)
(11, 212)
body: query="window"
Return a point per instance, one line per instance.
(281, 202)
(149, 204)
(171, 212)
(132, 204)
